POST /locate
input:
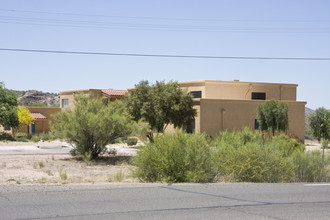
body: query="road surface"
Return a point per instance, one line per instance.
(163, 201)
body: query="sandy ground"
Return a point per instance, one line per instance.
(314, 145)
(65, 169)
(61, 168)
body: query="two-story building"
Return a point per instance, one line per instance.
(231, 105)
(222, 105)
(109, 95)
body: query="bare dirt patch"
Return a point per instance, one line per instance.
(63, 169)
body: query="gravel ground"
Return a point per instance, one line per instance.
(50, 163)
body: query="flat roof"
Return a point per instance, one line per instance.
(203, 82)
(114, 92)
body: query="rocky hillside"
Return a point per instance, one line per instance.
(38, 98)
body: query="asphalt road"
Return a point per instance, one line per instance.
(162, 201)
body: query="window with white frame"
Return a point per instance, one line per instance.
(65, 103)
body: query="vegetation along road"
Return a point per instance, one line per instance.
(162, 201)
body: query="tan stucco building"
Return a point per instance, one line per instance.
(109, 95)
(42, 118)
(231, 105)
(222, 105)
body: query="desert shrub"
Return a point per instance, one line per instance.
(47, 136)
(177, 157)
(287, 145)
(120, 140)
(251, 156)
(255, 163)
(91, 125)
(22, 137)
(6, 137)
(35, 138)
(238, 139)
(20, 134)
(73, 152)
(309, 168)
(325, 143)
(131, 141)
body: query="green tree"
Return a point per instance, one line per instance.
(24, 115)
(91, 125)
(8, 107)
(319, 123)
(273, 116)
(159, 105)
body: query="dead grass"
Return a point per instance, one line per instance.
(63, 169)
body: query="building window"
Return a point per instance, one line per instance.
(258, 96)
(256, 124)
(196, 94)
(65, 103)
(7, 128)
(190, 127)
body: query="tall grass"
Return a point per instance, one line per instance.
(310, 168)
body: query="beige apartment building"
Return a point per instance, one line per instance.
(109, 95)
(231, 105)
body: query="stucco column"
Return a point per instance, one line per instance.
(222, 118)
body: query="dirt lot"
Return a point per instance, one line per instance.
(63, 169)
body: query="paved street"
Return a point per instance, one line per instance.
(162, 201)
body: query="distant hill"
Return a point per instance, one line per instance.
(38, 98)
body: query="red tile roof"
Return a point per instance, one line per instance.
(110, 92)
(37, 115)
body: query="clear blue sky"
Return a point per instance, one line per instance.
(274, 28)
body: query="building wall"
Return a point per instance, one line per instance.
(194, 86)
(241, 90)
(41, 124)
(69, 95)
(219, 115)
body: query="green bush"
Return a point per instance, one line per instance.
(91, 125)
(177, 157)
(245, 156)
(287, 145)
(120, 140)
(251, 157)
(47, 136)
(255, 163)
(131, 141)
(238, 139)
(35, 138)
(6, 137)
(22, 137)
(20, 134)
(308, 167)
(325, 143)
